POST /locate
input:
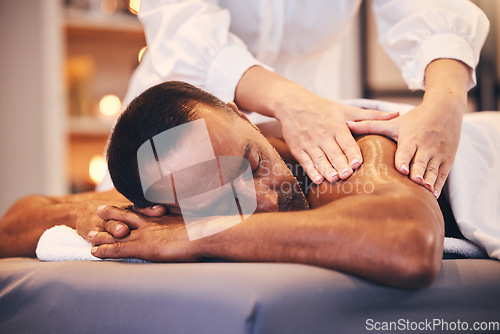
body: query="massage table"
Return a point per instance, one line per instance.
(120, 297)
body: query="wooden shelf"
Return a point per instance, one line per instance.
(107, 46)
(85, 20)
(90, 125)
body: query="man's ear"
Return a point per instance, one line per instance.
(233, 106)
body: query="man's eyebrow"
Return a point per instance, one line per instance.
(245, 163)
(246, 151)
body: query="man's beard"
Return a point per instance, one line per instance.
(292, 200)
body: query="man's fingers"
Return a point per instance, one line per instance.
(116, 228)
(131, 218)
(99, 238)
(152, 211)
(114, 250)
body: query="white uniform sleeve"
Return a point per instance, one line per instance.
(189, 40)
(416, 32)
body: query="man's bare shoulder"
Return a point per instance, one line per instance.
(376, 174)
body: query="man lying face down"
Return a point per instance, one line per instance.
(377, 224)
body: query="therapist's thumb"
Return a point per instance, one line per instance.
(384, 128)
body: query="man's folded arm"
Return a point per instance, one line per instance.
(27, 219)
(396, 239)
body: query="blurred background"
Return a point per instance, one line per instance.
(65, 66)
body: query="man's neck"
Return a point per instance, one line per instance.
(296, 169)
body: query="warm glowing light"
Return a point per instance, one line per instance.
(141, 53)
(110, 105)
(109, 6)
(97, 168)
(134, 6)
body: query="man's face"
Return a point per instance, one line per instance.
(276, 188)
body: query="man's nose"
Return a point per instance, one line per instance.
(267, 198)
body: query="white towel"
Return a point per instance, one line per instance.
(62, 243)
(461, 248)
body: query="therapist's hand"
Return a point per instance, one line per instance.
(428, 136)
(313, 127)
(316, 132)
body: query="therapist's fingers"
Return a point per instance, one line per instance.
(330, 161)
(352, 152)
(384, 128)
(307, 164)
(371, 114)
(418, 167)
(338, 158)
(444, 170)
(342, 152)
(435, 175)
(405, 152)
(431, 173)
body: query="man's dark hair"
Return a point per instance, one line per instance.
(158, 109)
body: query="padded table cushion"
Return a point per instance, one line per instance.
(114, 297)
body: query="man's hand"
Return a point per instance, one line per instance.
(156, 239)
(87, 220)
(27, 219)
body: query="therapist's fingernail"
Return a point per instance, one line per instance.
(355, 163)
(435, 193)
(345, 172)
(99, 208)
(93, 250)
(318, 178)
(92, 234)
(334, 176)
(119, 227)
(405, 169)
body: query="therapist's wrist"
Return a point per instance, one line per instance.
(446, 100)
(267, 92)
(446, 84)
